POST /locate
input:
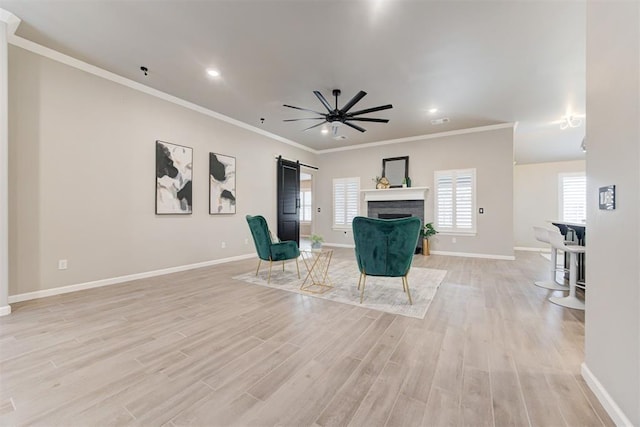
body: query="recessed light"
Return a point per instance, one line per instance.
(433, 110)
(213, 73)
(325, 130)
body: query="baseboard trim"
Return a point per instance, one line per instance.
(609, 405)
(472, 255)
(339, 245)
(528, 249)
(115, 280)
(5, 310)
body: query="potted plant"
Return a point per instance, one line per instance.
(427, 231)
(316, 241)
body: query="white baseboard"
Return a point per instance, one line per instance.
(471, 255)
(115, 280)
(614, 411)
(339, 245)
(524, 248)
(5, 310)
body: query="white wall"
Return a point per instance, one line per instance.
(82, 178)
(612, 337)
(535, 198)
(490, 152)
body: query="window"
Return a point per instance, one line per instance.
(455, 200)
(305, 205)
(573, 197)
(346, 201)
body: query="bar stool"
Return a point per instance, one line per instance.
(570, 301)
(542, 235)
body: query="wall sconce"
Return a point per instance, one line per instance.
(570, 122)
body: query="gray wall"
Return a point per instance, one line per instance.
(82, 179)
(612, 341)
(490, 152)
(535, 198)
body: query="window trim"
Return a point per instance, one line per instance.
(454, 231)
(345, 227)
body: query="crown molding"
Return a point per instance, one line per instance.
(92, 69)
(420, 137)
(11, 20)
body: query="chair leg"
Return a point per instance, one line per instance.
(359, 280)
(269, 277)
(258, 269)
(282, 265)
(298, 268)
(405, 281)
(362, 292)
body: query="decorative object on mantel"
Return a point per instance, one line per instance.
(381, 183)
(427, 231)
(396, 170)
(316, 241)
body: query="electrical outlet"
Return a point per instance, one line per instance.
(453, 240)
(62, 264)
(246, 241)
(223, 245)
(481, 210)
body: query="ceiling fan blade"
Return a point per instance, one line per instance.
(304, 118)
(303, 109)
(315, 126)
(356, 127)
(323, 100)
(371, 110)
(367, 119)
(353, 101)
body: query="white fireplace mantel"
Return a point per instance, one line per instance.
(404, 193)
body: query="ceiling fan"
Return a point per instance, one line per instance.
(341, 115)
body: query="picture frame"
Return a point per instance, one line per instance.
(222, 184)
(174, 175)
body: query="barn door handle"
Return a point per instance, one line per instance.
(297, 203)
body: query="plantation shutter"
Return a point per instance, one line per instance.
(455, 201)
(346, 201)
(573, 193)
(464, 201)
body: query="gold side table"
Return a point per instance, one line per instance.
(317, 263)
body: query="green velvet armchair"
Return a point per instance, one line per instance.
(385, 247)
(267, 249)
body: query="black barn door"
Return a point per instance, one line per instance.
(288, 200)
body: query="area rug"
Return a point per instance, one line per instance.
(381, 293)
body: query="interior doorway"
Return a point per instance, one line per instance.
(306, 206)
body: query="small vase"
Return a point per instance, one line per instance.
(316, 245)
(425, 247)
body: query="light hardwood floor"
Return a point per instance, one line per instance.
(199, 348)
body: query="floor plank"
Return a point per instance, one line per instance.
(199, 348)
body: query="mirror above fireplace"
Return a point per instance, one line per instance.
(396, 170)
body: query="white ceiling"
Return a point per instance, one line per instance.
(479, 62)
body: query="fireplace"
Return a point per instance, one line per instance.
(393, 215)
(396, 203)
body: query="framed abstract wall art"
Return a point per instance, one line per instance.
(222, 184)
(174, 171)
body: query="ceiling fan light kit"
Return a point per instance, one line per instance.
(337, 116)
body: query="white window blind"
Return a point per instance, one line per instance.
(346, 201)
(573, 197)
(455, 200)
(305, 205)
